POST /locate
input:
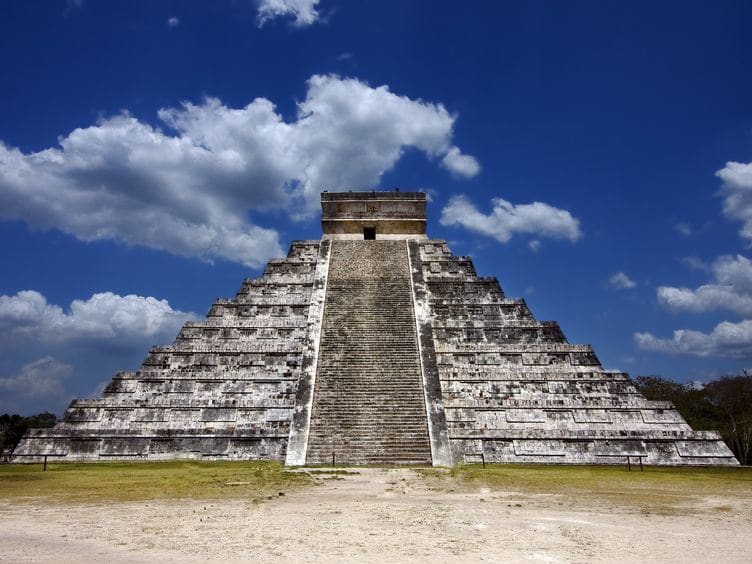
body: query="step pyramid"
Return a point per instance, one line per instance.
(373, 345)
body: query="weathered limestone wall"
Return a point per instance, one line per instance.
(514, 389)
(393, 215)
(225, 389)
(301, 419)
(441, 452)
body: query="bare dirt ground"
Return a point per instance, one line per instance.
(376, 515)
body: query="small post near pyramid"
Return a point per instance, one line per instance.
(374, 345)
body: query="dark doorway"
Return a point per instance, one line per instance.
(369, 233)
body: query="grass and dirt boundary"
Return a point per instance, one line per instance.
(655, 487)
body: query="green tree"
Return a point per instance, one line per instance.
(13, 427)
(732, 395)
(689, 401)
(723, 405)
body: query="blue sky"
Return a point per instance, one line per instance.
(594, 156)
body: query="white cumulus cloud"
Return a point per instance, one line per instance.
(726, 339)
(460, 165)
(173, 21)
(507, 219)
(43, 378)
(303, 12)
(737, 194)
(77, 346)
(127, 181)
(730, 289)
(189, 189)
(621, 281)
(103, 317)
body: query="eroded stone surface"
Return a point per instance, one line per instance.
(514, 389)
(225, 389)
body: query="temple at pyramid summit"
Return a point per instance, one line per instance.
(373, 345)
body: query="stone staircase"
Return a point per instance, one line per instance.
(369, 406)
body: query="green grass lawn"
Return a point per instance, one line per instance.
(656, 489)
(253, 481)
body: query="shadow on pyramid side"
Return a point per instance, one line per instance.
(374, 345)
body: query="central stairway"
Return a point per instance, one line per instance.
(368, 403)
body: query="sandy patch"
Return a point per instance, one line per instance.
(378, 516)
